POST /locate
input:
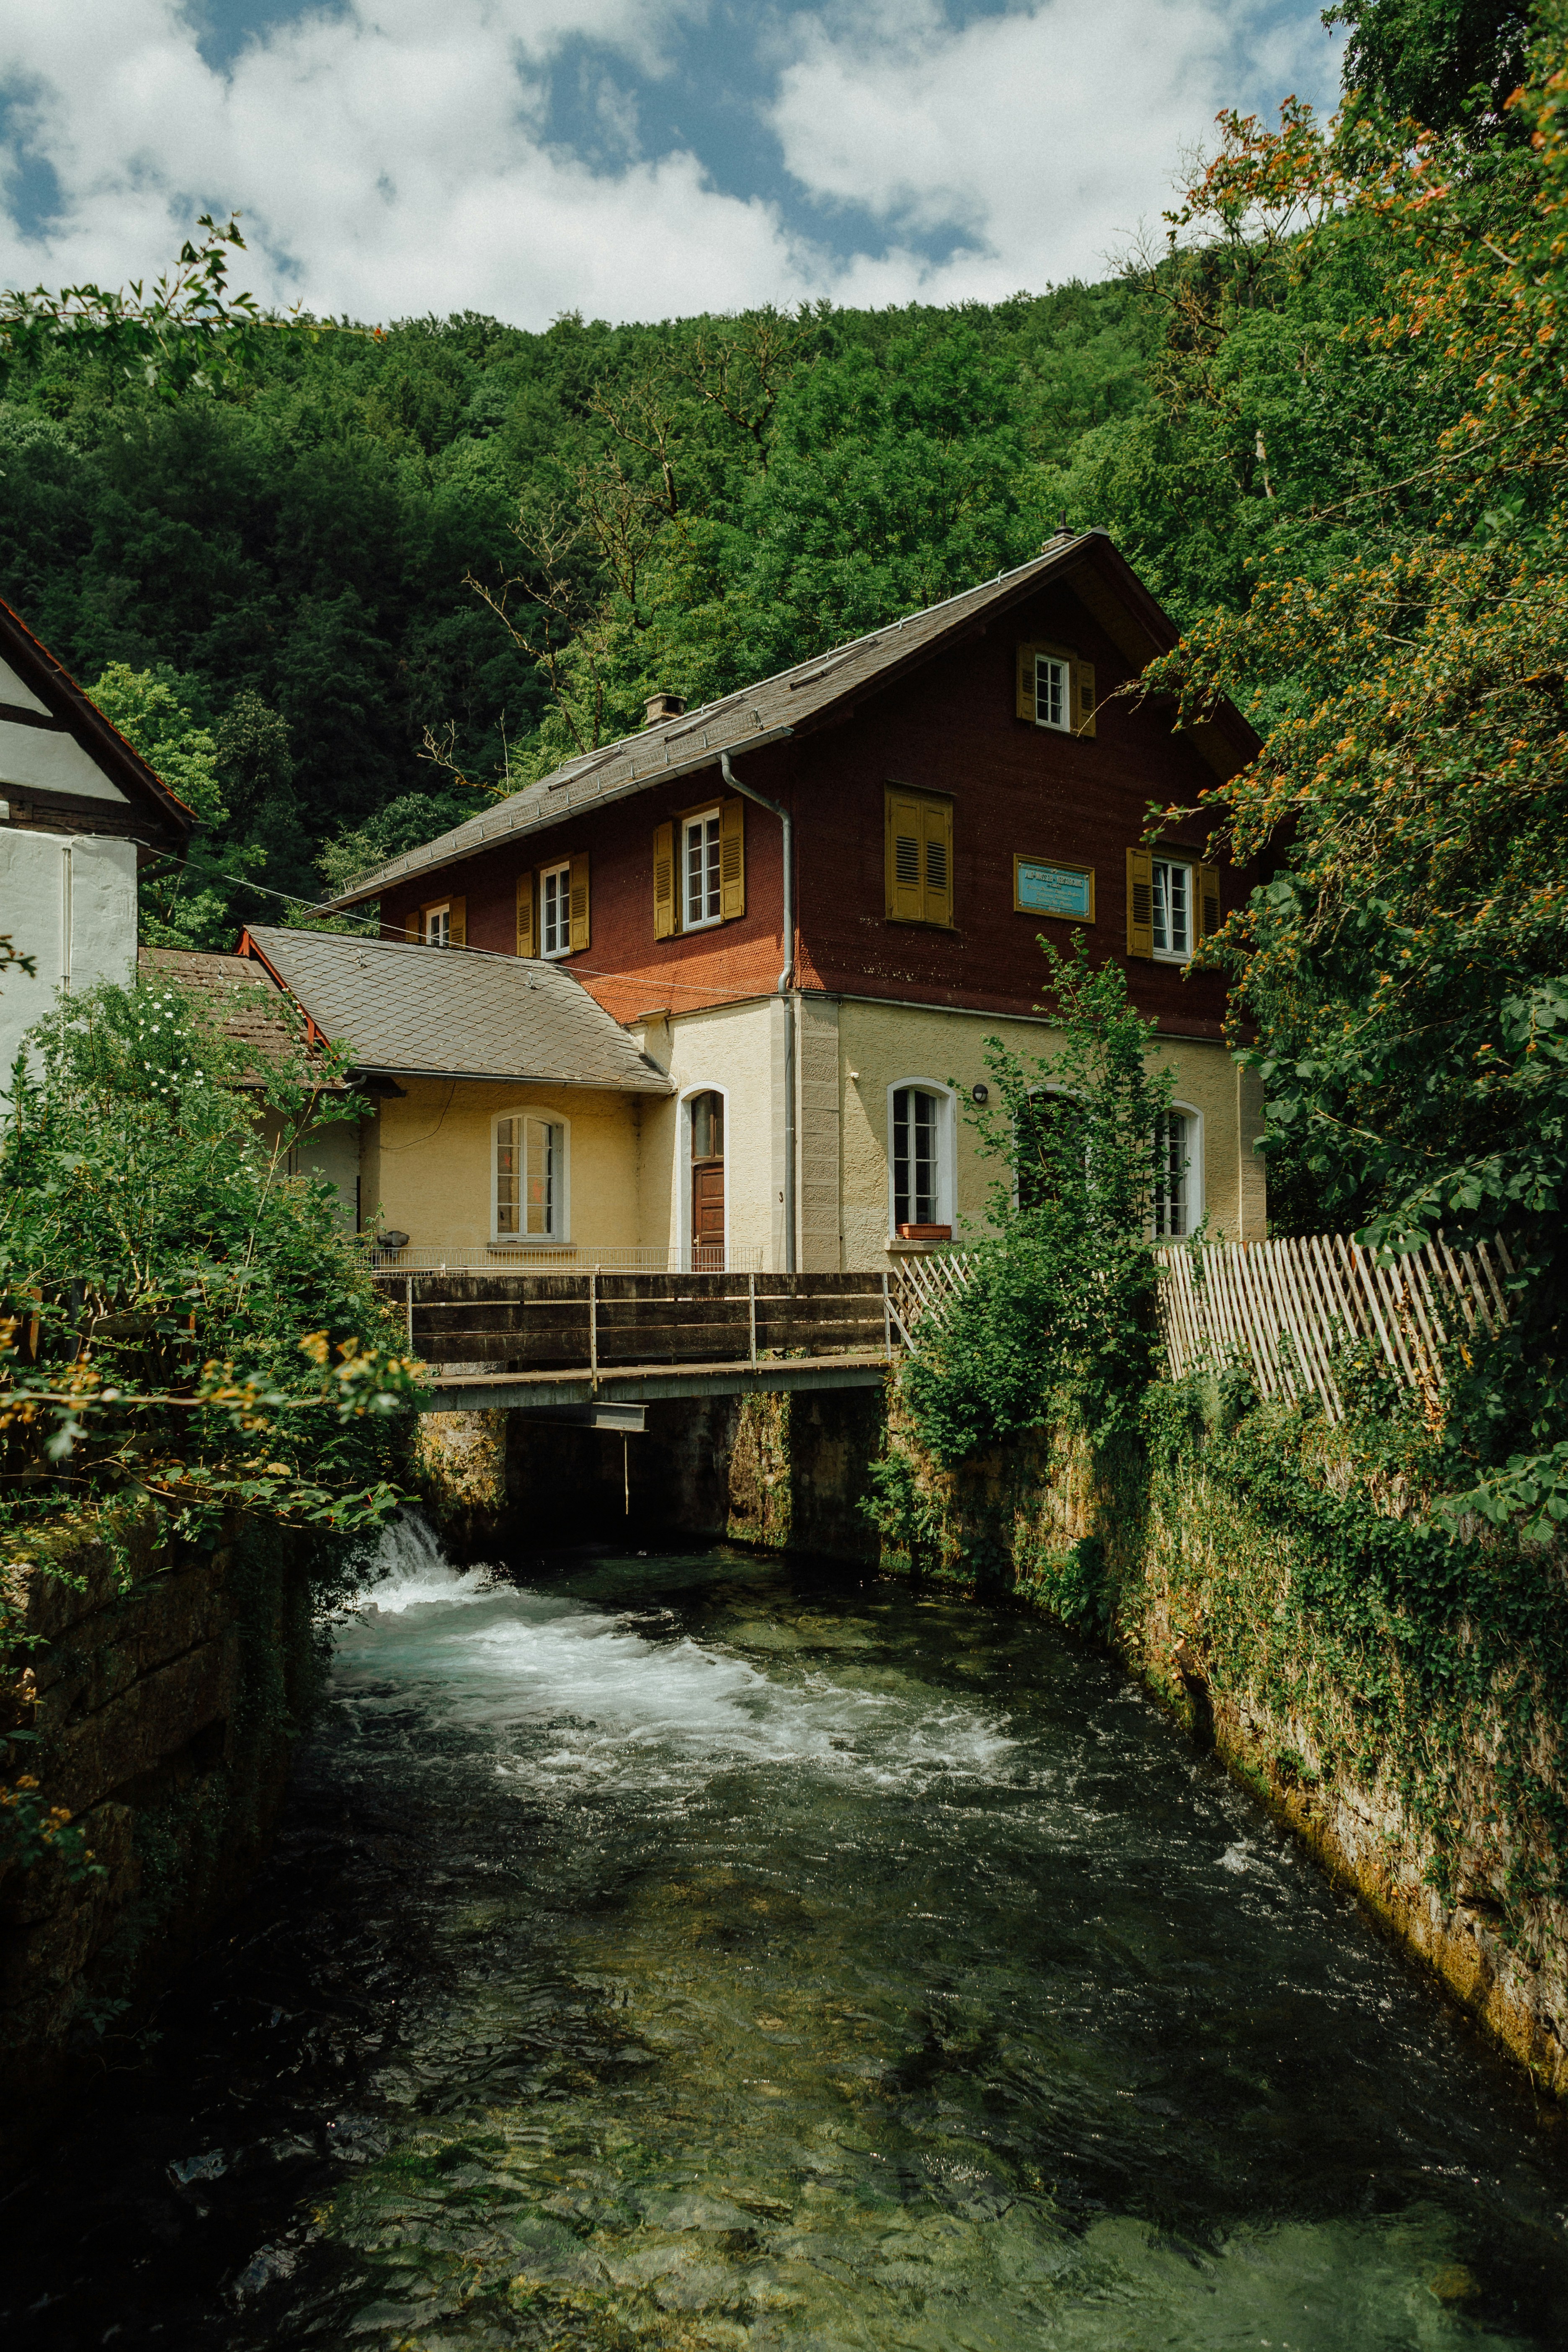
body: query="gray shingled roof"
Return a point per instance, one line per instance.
(455, 1013)
(760, 714)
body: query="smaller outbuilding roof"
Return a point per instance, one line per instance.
(236, 989)
(452, 1012)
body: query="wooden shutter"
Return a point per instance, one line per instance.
(579, 934)
(457, 924)
(525, 913)
(732, 859)
(663, 881)
(1206, 889)
(1083, 697)
(1026, 704)
(937, 860)
(906, 896)
(411, 928)
(1140, 902)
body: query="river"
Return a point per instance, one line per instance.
(705, 1950)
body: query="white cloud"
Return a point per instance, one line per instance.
(1044, 136)
(391, 158)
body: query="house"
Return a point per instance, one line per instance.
(803, 908)
(80, 811)
(503, 1095)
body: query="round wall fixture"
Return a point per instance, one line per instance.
(979, 1093)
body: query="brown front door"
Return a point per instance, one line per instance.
(708, 1183)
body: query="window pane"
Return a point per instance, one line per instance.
(506, 1176)
(554, 920)
(540, 1176)
(1172, 898)
(1050, 691)
(438, 926)
(1171, 1150)
(708, 1126)
(917, 1129)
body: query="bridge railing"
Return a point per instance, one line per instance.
(602, 1322)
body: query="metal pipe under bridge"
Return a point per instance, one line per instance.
(597, 1348)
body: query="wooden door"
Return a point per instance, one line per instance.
(708, 1184)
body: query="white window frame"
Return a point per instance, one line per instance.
(563, 1203)
(431, 916)
(1194, 1172)
(946, 1153)
(562, 875)
(683, 1168)
(699, 822)
(1062, 726)
(1167, 865)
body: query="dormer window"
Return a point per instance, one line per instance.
(439, 926)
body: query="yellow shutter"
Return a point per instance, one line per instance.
(1140, 902)
(457, 932)
(525, 913)
(906, 898)
(579, 905)
(411, 928)
(663, 881)
(936, 818)
(1083, 689)
(1205, 885)
(732, 859)
(1026, 704)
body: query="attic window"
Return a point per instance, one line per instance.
(1053, 691)
(439, 926)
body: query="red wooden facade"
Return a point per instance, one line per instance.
(949, 726)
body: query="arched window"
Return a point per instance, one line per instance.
(919, 1160)
(529, 1174)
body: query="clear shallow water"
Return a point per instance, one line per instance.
(709, 1951)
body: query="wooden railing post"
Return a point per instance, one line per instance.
(408, 1304)
(887, 1321)
(593, 1328)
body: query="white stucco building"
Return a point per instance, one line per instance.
(80, 811)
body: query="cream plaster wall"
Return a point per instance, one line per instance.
(888, 1043)
(736, 1049)
(426, 1161)
(68, 901)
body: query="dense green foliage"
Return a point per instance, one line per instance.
(683, 505)
(183, 1323)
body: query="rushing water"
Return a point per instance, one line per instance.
(705, 1951)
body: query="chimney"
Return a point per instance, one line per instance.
(663, 706)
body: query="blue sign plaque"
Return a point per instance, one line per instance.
(1062, 891)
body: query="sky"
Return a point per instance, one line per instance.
(628, 159)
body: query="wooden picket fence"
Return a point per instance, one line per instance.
(1286, 1309)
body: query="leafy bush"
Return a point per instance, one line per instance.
(183, 1320)
(1059, 1315)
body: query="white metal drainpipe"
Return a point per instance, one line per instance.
(65, 916)
(785, 989)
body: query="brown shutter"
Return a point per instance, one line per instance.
(579, 934)
(1083, 687)
(1026, 704)
(458, 932)
(936, 826)
(1140, 902)
(525, 913)
(732, 859)
(1205, 888)
(411, 928)
(906, 898)
(663, 881)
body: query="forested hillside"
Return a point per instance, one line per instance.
(692, 503)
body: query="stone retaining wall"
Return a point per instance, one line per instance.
(163, 1685)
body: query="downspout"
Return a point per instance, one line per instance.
(785, 989)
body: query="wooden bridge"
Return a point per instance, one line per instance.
(611, 1343)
